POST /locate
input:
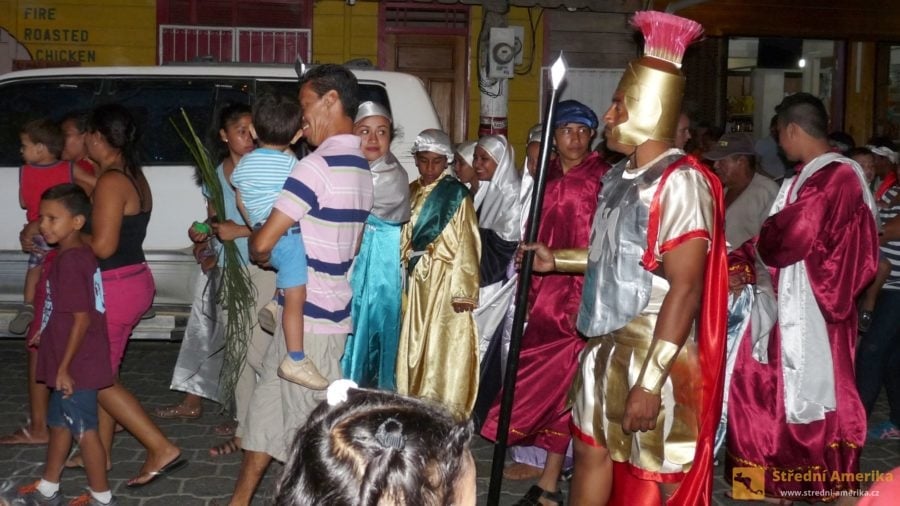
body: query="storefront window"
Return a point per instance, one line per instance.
(762, 71)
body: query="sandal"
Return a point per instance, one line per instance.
(225, 429)
(19, 324)
(149, 477)
(536, 493)
(22, 436)
(178, 411)
(226, 448)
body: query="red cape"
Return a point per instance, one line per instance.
(696, 488)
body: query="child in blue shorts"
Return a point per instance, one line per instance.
(73, 358)
(258, 180)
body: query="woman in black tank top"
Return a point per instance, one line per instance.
(121, 212)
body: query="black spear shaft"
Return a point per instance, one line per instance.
(512, 362)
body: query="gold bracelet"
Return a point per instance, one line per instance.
(660, 357)
(570, 260)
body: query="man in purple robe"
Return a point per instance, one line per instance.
(795, 411)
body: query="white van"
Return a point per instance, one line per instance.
(155, 94)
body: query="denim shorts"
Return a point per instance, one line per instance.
(78, 413)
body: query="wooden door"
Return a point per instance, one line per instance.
(440, 61)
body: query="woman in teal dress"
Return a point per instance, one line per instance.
(371, 352)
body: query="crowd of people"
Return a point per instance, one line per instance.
(691, 292)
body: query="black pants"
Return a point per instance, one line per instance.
(878, 355)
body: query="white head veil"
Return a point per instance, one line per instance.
(466, 150)
(389, 179)
(435, 141)
(369, 108)
(501, 210)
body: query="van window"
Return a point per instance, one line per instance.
(24, 101)
(153, 101)
(156, 102)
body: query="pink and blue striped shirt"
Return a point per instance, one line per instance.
(329, 192)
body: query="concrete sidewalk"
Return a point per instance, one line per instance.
(209, 480)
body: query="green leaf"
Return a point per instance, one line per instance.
(235, 293)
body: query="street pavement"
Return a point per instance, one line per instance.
(209, 480)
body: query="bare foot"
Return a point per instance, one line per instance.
(226, 448)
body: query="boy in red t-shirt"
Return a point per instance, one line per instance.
(73, 358)
(42, 145)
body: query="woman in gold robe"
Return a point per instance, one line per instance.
(438, 355)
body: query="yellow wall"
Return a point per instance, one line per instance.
(341, 32)
(85, 32)
(524, 103)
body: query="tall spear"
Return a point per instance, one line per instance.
(557, 74)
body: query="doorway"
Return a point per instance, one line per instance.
(430, 42)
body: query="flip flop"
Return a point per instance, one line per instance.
(22, 436)
(165, 470)
(226, 448)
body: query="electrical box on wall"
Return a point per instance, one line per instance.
(502, 53)
(519, 33)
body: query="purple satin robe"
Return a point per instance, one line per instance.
(550, 344)
(830, 228)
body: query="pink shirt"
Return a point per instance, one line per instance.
(329, 192)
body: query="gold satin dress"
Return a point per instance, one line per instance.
(611, 363)
(438, 354)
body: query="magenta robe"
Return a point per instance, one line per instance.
(831, 229)
(550, 344)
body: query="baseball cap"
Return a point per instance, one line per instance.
(737, 143)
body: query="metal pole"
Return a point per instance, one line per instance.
(557, 74)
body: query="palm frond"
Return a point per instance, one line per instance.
(235, 294)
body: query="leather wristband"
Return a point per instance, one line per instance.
(570, 260)
(660, 357)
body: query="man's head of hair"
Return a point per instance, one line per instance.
(46, 132)
(72, 197)
(324, 78)
(807, 112)
(276, 119)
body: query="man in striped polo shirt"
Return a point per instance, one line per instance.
(329, 193)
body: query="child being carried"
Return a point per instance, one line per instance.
(258, 180)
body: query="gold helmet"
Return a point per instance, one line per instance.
(652, 86)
